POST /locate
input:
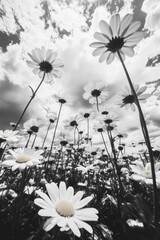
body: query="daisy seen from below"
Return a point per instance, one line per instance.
(96, 92)
(9, 136)
(128, 100)
(143, 173)
(65, 209)
(45, 62)
(119, 36)
(22, 158)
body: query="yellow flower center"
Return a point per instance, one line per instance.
(147, 174)
(23, 158)
(65, 208)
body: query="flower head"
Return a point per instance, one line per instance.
(65, 209)
(45, 61)
(143, 173)
(9, 136)
(118, 35)
(128, 98)
(96, 90)
(22, 158)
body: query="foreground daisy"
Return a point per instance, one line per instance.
(143, 173)
(45, 61)
(22, 158)
(118, 35)
(65, 209)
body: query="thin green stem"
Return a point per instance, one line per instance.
(146, 137)
(32, 97)
(97, 104)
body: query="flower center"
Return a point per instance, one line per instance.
(34, 129)
(23, 158)
(62, 101)
(86, 115)
(147, 174)
(73, 123)
(115, 44)
(128, 99)
(45, 66)
(65, 208)
(108, 121)
(96, 93)
(104, 113)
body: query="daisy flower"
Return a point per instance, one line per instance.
(128, 100)
(65, 209)
(117, 36)
(9, 136)
(143, 173)
(22, 158)
(96, 92)
(45, 61)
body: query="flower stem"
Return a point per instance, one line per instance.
(105, 145)
(87, 129)
(32, 97)
(146, 137)
(46, 135)
(54, 134)
(97, 104)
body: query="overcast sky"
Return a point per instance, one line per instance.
(68, 27)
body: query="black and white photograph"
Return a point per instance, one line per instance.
(80, 119)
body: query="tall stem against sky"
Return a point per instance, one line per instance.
(55, 130)
(32, 97)
(146, 137)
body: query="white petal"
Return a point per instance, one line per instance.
(126, 21)
(45, 198)
(69, 193)
(105, 28)
(104, 56)
(77, 196)
(43, 204)
(128, 51)
(97, 44)
(84, 225)
(157, 166)
(73, 227)
(49, 224)
(62, 190)
(55, 191)
(32, 64)
(133, 39)
(110, 58)
(82, 203)
(47, 213)
(148, 166)
(115, 24)
(132, 28)
(100, 37)
(98, 51)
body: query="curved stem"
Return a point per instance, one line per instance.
(29, 137)
(32, 97)
(146, 137)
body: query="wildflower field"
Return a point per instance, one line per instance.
(80, 118)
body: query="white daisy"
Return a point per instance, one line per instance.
(9, 136)
(143, 173)
(117, 36)
(65, 209)
(22, 158)
(45, 61)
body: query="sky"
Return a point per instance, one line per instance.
(67, 27)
